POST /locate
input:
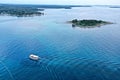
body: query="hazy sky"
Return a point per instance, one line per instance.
(81, 2)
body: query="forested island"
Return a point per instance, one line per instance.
(88, 23)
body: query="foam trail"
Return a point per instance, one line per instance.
(7, 70)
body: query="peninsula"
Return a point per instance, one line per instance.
(25, 10)
(20, 11)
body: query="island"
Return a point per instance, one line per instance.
(88, 23)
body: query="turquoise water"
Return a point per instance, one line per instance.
(66, 53)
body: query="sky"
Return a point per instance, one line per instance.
(71, 2)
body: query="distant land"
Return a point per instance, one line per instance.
(26, 10)
(45, 6)
(115, 7)
(31, 10)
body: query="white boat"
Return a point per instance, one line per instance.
(34, 57)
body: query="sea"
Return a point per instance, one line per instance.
(66, 52)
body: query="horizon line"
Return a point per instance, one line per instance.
(62, 4)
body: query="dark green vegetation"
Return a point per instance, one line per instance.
(19, 11)
(30, 10)
(88, 23)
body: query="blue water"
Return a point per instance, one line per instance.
(66, 53)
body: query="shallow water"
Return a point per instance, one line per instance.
(66, 52)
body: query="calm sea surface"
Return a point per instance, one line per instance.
(66, 53)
